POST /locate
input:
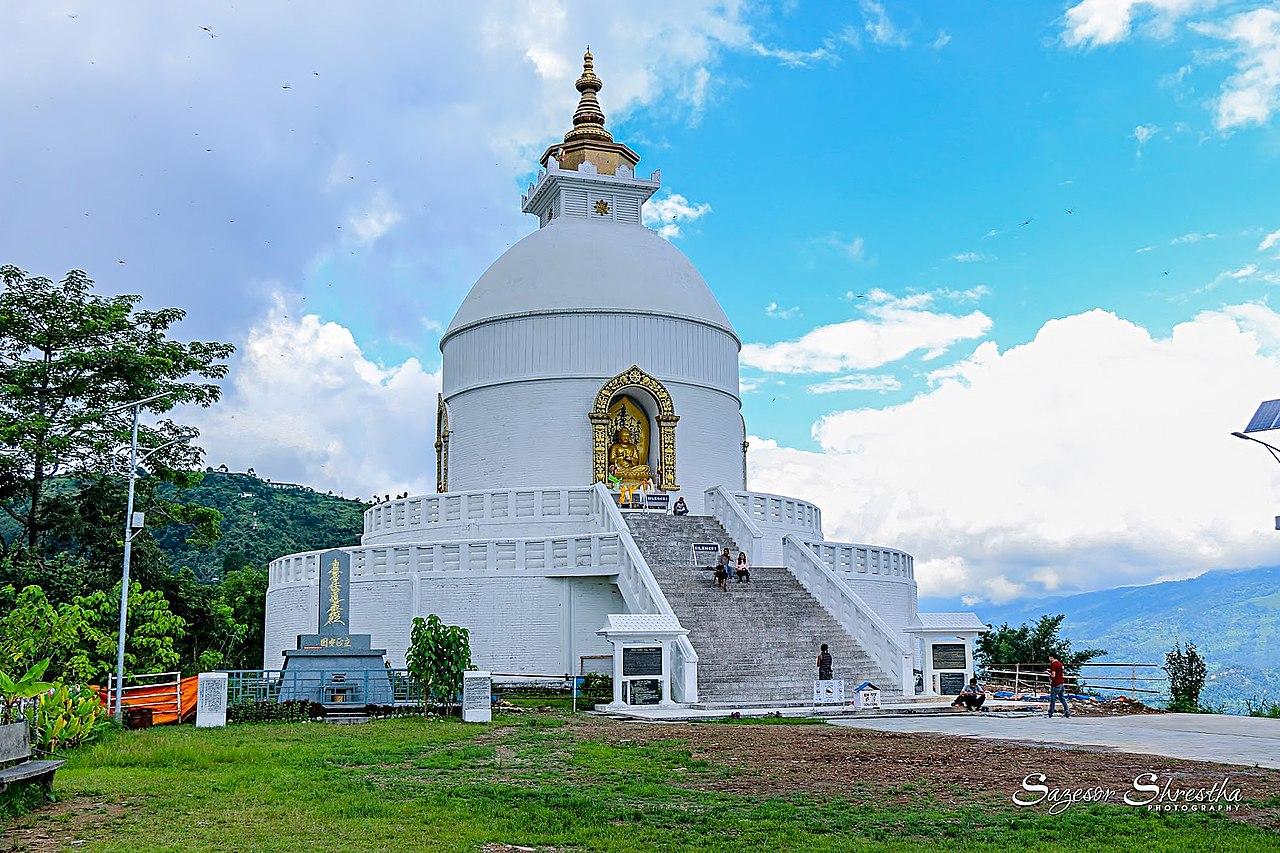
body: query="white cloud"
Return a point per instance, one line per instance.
(1143, 133)
(855, 248)
(1144, 249)
(1269, 240)
(377, 217)
(773, 309)
(894, 328)
(970, 257)
(1193, 237)
(1252, 94)
(991, 233)
(943, 39)
(1092, 456)
(857, 382)
(1244, 272)
(879, 26)
(666, 213)
(828, 51)
(306, 405)
(1095, 22)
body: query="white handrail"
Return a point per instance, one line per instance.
(866, 562)
(419, 512)
(724, 507)
(854, 615)
(641, 592)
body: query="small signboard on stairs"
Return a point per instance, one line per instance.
(705, 553)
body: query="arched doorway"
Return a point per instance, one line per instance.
(618, 396)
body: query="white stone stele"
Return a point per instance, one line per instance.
(211, 700)
(477, 691)
(868, 698)
(829, 692)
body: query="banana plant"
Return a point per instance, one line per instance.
(14, 692)
(65, 716)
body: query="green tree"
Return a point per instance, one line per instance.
(437, 656)
(1187, 671)
(1033, 642)
(154, 633)
(244, 593)
(33, 629)
(68, 357)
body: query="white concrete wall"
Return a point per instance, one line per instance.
(519, 391)
(517, 624)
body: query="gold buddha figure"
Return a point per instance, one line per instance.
(625, 460)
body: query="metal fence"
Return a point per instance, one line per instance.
(266, 685)
(1137, 679)
(160, 692)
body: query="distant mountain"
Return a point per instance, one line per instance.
(1232, 617)
(261, 521)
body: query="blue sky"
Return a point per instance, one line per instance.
(323, 188)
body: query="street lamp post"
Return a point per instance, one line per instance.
(128, 548)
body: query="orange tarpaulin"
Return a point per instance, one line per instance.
(171, 702)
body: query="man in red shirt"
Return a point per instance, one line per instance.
(1058, 686)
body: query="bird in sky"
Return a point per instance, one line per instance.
(209, 30)
(1166, 272)
(286, 87)
(1026, 222)
(1070, 211)
(121, 261)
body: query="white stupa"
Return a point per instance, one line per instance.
(592, 359)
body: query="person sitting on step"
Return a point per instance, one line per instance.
(722, 575)
(971, 697)
(743, 569)
(681, 508)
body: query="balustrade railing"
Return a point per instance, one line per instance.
(726, 509)
(781, 511)
(864, 560)
(458, 509)
(641, 592)
(854, 615)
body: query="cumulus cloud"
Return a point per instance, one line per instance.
(1269, 240)
(857, 382)
(1096, 22)
(1143, 134)
(666, 213)
(1252, 94)
(879, 26)
(306, 405)
(893, 328)
(1094, 455)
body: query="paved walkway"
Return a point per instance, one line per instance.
(1199, 737)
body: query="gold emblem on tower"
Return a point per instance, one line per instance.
(602, 208)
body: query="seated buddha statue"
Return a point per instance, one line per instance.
(625, 462)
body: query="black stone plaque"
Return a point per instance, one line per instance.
(335, 593)
(646, 661)
(705, 553)
(950, 683)
(948, 656)
(645, 692)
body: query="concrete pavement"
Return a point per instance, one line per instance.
(1200, 737)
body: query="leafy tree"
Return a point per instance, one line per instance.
(1187, 671)
(152, 640)
(244, 593)
(33, 629)
(438, 654)
(1033, 642)
(68, 359)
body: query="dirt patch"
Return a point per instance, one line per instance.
(893, 767)
(63, 825)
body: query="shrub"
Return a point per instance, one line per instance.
(293, 711)
(1265, 708)
(1186, 670)
(15, 692)
(597, 685)
(64, 717)
(438, 654)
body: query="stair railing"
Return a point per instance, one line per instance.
(719, 503)
(854, 615)
(641, 592)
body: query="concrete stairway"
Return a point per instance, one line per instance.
(757, 642)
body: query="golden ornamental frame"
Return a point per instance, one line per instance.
(442, 445)
(634, 377)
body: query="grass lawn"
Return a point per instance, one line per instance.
(540, 780)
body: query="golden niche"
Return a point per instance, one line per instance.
(629, 442)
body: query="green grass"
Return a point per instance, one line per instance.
(529, 779)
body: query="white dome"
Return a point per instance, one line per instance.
(577, 264)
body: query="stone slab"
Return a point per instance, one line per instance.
(1226, 739)
(211, 700)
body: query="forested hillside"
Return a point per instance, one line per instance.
(260, 521)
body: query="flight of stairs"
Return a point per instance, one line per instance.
(758, 641)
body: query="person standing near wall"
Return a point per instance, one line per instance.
(825, 663)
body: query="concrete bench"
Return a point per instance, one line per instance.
(30, 772)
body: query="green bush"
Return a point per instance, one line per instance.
(1186, 670)
(438, 654)
(293, 711)
(64, 717)
(597, 685)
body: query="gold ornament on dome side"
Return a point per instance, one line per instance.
(603, 441)
(602, 208)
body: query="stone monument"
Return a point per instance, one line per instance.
(334, 666)
(211, 700)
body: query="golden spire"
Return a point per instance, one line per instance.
(588, 141)
(588, 118)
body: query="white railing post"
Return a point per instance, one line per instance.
(724, 507)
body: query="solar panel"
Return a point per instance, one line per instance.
(1265, 418)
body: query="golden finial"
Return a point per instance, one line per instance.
(588, 118)
(588, 140)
